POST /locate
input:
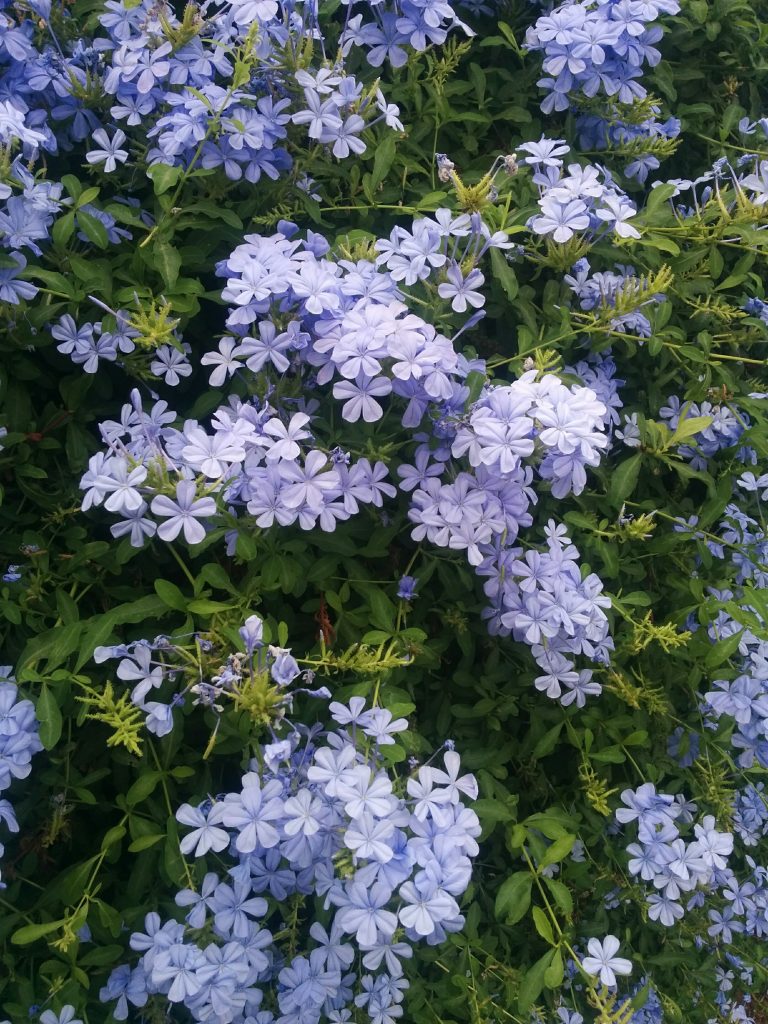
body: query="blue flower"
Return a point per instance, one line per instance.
(406, 589)
(65, 1016)
(109, 153)
(13, 290)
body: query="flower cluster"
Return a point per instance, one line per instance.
(740, 189)
(662, 855)
(399, 25)
(27, 210)
(225, 87)
(597, 46)
(19, 740)
(259, 679)
(644, 142)
(597, 371)
(320, 831)
(593, 55)
(744, 699)
(608, 290)
(741, 547)
(724, 431)
(750, 814)
(538, 597)
(585, 203)
(253, 458)
(345, 323)
(218, 67)
(701, 866)
(87, 343)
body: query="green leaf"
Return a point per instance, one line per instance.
(217, 576)
(636, 739)
(170, 595)
(63, 229)
(533, 982)
(143, 787)
(55, 281)
(721, 650)
(216, 211)
(382, 610)
(624, 479)
(554, 822)
(662, 243)
(688, 427)
(93, 229)
(164, 177)
(492, 811)
(659, 197)
(144, 842)
(167, 260)
(543, 925)
(49, 716)
(172, 858)
(87, 196)
(114, 835)
(102, 956)
(548, 742)
(504, 274)
(561, 894)
(514, 897)
(33, 932)
(72, 185)
(203, 606)
(474, 381)
(553, 976)
(53, 646)
(558, 851)
(609, 755)
(385, 155)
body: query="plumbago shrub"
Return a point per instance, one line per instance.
(384, 476)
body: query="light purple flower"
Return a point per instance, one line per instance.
(183, 514)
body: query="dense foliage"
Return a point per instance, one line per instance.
(383, 484)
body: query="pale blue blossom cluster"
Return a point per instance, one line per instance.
(596, 133)
(176, 81)
(727, 425)
(584, 203)
(742, 702)
(598, 372)
(700, 868)
(88, 343)
(27, 210)
(595, 50)
(728, 185)
(750, 814)
(338, 867)
(736, 895)
(19, 740)
(662, 855)
(160, 667)
(348, 326)
(148, 666)
(388, 30)
(594, 47)
(599, 291)
(536, 596)
(225, 91)
(739, 705)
